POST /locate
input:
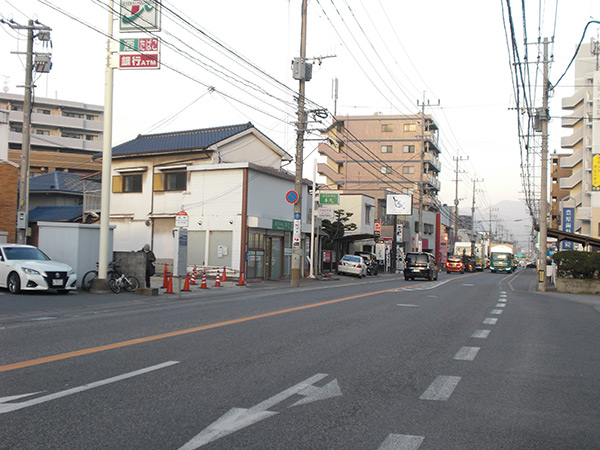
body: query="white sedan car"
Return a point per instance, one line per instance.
(352, 265)
(25, 267)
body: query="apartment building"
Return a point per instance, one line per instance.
(64, 134)
(583, 185)
(556, 193)
(384, 154)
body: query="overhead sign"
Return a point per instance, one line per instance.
(291, 197)
(182, 219)
(329, 198)
(398, 205)
(139, 15)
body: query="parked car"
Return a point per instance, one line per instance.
(371, 260)
(27, 268)
(455, 264)
(420, 264)
(352, 265)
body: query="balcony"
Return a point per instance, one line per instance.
(433, 161)
(573, 119)
(332, 175)
(573, 140)
(574, 100)
(568, 162)
(572, 181)
(431, 180)
(332, 154)
(583, 214)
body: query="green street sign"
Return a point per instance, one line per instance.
(329, 199)
(284, 225)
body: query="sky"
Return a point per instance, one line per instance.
(229, 62)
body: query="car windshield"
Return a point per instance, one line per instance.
(350, 258)
(413, 259)
(22, 253)
(500, 256)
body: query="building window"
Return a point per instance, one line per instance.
(90, 137)
(127, 183)
(387, 127)
(386, 169)
(175, 181)
(410, 127)
(408, 169)
(42, 132)
(408, 149)
(91, 117)
(66, 134)
(43, 111)
(16, 129)
(72, 114)
(368, 209)
(387, 149)
(16, 107)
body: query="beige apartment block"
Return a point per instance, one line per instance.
(64, 134)
(379, 154)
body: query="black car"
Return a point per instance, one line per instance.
(420, 264)
(371, 260)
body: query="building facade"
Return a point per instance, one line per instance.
(379, 155)
(228, 183)
(557, 195)
(64, 134)
(584, 143)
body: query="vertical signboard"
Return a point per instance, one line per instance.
(596, 173)
(139, 15)
(567, 225)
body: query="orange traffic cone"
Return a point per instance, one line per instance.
(218, 280)
(170, 285)
(165, 278)
(203, 285)
(186, 284)
(241, 282)
(224, 274)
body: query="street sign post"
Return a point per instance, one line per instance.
(182, 219)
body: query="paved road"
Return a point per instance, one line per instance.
(479, 361)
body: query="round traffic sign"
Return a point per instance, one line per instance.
(291, 196)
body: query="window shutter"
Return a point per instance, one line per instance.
(117, 183)
(159, 182)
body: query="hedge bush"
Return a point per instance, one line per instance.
(576, 264)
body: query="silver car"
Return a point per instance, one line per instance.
(25, 267)
(352, 265)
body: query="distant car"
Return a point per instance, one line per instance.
(420, 264)
(371, 260)
(27, 268)
(455, 264)
(352, 265)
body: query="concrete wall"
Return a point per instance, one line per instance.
(575, 286)
(133, 264)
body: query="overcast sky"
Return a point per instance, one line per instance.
(387, 54)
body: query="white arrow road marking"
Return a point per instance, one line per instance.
(313, 393)
(441, 388)
(238, 418)
(9, 407)
(401, 442)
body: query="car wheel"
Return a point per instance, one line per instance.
(14, 283)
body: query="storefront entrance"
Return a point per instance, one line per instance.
(273, 257)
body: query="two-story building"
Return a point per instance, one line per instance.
(229, 181)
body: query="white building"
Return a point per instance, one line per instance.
(229, 182)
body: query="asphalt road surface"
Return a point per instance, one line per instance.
(474, 361)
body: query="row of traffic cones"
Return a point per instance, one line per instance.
(168, 280)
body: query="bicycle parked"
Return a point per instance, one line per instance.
(117, 281)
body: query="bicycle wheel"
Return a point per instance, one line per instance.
(131, 284)
(88, 279)
(114, 285)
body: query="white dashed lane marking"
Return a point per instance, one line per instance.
(466, 353)
(490, 321)
(441, 389)
(481, 334)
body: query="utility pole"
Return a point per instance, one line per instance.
(456, 199)
(544, 117)
(302, 72)
(42, 65)
(422, 169)
(473, 236)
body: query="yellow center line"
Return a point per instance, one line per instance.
(102, 348)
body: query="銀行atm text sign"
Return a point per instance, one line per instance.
(139, 53)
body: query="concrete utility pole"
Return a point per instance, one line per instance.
(422, 170)
(456, 199)
(473, 236)
(43, 35)
(544, 117)
(300, 129)
(100, 284)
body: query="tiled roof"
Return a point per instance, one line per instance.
(55, 213)
(59, 182)
(178, 141)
